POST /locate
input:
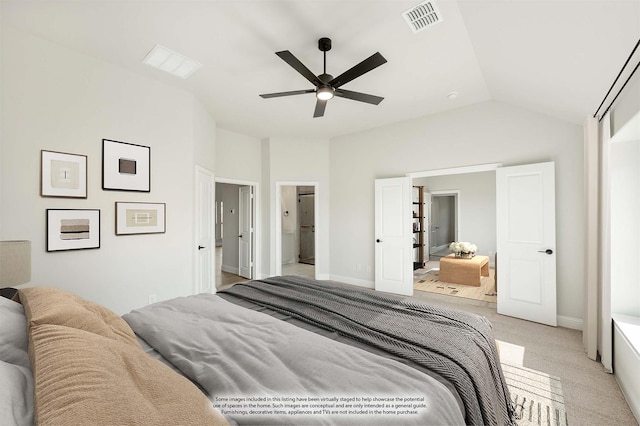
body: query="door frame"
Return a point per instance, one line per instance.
(277, 238)
(256, 214)
(456, 211)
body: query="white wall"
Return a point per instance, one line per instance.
(484, 133)
(238, 156)
(60, 100)
(300, 160)
(625, 228)
(477, 206)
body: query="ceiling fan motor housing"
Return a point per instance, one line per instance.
(324, 44)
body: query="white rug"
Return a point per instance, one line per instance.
(537, 396)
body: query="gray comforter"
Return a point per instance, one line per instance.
(256, 369)
(458, 346)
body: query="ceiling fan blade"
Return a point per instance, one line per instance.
(320, 106)
(299, 66)
(357, 96)
(293, 92)
(363, 67)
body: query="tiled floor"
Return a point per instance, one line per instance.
(301, 269)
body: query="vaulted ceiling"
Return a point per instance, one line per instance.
(553, 57)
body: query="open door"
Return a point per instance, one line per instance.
(245, 236)
(205, 235)
(393, 236)
(526, 239)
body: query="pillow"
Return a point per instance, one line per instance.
(85, 378)
(46, 305)
(16, 395)
(13, 333)
(16, 389)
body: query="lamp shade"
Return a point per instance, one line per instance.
(15, 263)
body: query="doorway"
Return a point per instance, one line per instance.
(443, 222)
(235, 232)
(462, 209)
(526, 279)
(296, 229)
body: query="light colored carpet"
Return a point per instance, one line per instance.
(591, 396)
(429, 280)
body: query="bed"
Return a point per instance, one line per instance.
(283, 350)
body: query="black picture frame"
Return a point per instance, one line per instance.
(72, 229)
(125, 166)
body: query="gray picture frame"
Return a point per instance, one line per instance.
(135, 218)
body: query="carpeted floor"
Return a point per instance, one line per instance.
(591, 396)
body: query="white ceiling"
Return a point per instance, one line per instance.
(554, 57)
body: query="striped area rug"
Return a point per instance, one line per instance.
(537, 396)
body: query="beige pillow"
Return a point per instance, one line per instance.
(89, 379)
(46, 305)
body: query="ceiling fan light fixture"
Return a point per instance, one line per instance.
(324, 93)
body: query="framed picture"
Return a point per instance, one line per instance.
(140, 218)
(73, 229)
(125, 166)
(63, 175)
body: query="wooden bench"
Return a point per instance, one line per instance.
(464, 271)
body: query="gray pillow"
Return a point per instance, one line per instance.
(16, 392)
(16, 395)
(14, 340)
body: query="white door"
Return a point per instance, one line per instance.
(245, 236)
(393, 236)
(205, 232)
(526, 240)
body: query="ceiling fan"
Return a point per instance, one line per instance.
(326, 86)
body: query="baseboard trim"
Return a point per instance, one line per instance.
(569, 322)
(230, 269)
(353, 281)
(323, 277)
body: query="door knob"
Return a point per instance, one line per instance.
(547, 251)
(240, 236)
(201, 247)
(378, 240)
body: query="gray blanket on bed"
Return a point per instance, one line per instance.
(235, 354)
(457, 345)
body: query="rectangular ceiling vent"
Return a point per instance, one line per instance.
(172, 62)
(422, 16)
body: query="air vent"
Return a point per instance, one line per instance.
(422, 16)
(172, 62)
